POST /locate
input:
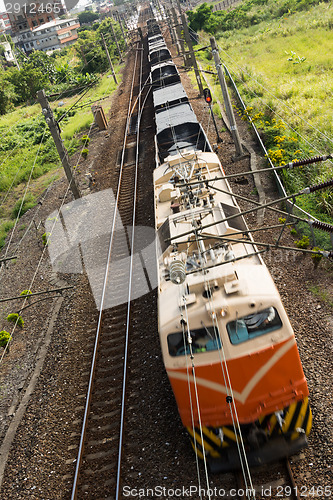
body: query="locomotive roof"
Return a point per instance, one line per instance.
(168, 94)
(178, 115)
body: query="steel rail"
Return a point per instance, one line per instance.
(98, 330)
(292, 480)
(129, 298)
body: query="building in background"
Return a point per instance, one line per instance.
(7, 52)
(34, 14)
(53, 35)
(5, 25)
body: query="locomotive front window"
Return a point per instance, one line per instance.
(254, 325)
(203, 340)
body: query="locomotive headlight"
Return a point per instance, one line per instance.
(224, 312)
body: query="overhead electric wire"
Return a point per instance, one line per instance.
(129, 297)
(225, 373)
(46, 192)
(26, 132)
(39, 262)
(182, 321)
(223, 363)
(197, 400)
(24, 195)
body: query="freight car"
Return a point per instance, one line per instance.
(228, 346)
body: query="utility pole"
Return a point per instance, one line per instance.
(227, 101)
(121, 27)
(179, 40)
(115, 39)
(109, 58)
(169, 22)
(190, 48)
(55, 132)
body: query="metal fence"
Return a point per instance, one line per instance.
(225, 4)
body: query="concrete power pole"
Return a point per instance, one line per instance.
(115, 39)
(54, 129)
(190, 48)
(227, 101)
(109, 58)
(121, 27)
(169, 22)
(179, 40)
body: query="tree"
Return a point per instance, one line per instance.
(26, 82)
(7, 95)
(87, 17)
(39, 59)
(198, 19)
(90, 51)
(105, 28)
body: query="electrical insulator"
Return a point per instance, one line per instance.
(177, 272)
(207, 95)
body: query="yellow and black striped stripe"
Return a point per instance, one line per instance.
(296, 416)
(212, 441)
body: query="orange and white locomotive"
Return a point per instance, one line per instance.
(228, 347)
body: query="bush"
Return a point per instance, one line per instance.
(16, 318)
(85, 140)
(84, 153)
(25, 292)
(45, 238)
(303, 243)
(5, 337)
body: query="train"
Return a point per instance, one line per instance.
(227, 344)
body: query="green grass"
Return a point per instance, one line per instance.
(84, 118)
(20, 114)
(19, 147)
(321, 294)
(284, 71)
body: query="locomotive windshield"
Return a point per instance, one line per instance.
(254, 325)
(203, 340)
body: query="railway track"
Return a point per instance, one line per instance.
(98, 466)
(275, 481)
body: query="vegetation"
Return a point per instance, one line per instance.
(247, 14)
(303, 243)
(321, 294)
(16, 318)
(85, 140)
(5, 338)
(69, 70)
(278, 53)
(87, 17)
(45, 238)
(84, 153)
(27, 150)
